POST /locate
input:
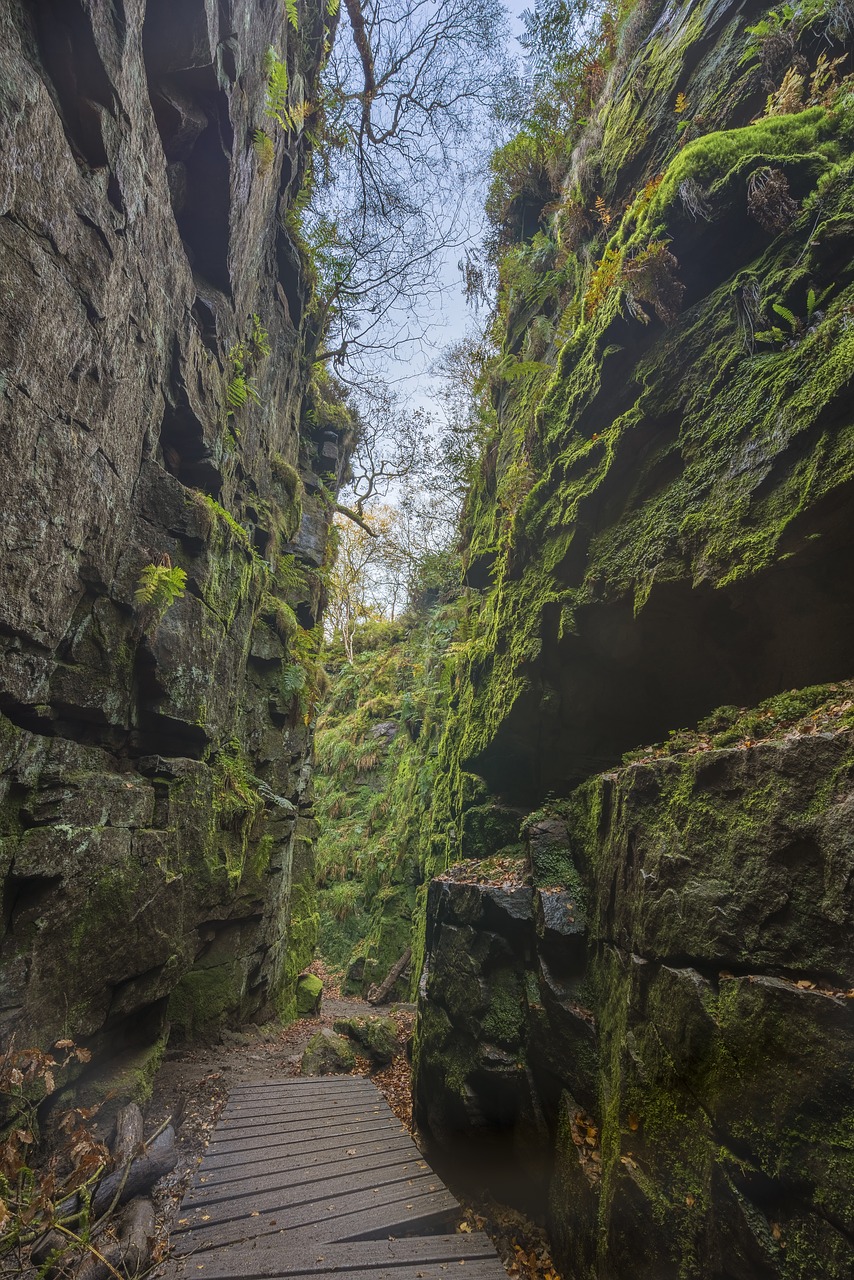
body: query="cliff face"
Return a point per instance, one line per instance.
(650, 999)
(666, 510)
(661, 1025)
(153, 803)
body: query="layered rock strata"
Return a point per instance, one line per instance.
(660, 1028)
(156, 333)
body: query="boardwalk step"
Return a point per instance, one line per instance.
(317, 1177)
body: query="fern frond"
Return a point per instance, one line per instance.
(159, 586)
(264, 149)
(276, 104)
(787, 315)
(291, 11)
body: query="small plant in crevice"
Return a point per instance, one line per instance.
(769, 199)
(277, 106)
(259, 339)
(243, 359)
(237, 804)
(605, 277)
(774, 39)
(265, 150)
(240, 388)
(651, 277)
(158, 586)
(795, 327)
(796, 92)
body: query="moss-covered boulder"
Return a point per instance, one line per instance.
(327, 1054)
(308, 995)
(375, 1036)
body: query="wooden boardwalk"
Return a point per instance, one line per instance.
(317, 1177)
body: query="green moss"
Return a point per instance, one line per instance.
(309, 991)
(205, 999)
(303, 928)
(237, 806)
(504, 1019)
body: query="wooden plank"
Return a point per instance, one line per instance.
(331, 1173)
(298, 1163)
(305, 1087)
(343, 1135)
(293, 1185)
(313, 1193)
(251, 1112)
(357, 1215)
(252, 1216)
(269, 1258)
(287, 1121)
(264, 1260)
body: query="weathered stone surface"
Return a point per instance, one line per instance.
(327, 1054)
(376, 1036)
(681, 1012)
(152, 771)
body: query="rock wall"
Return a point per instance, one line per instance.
(650, 1006)
(156, 337)
(653, 1021)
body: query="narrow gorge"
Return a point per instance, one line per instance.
(592, 790)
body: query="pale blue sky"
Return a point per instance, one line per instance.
(449, 318)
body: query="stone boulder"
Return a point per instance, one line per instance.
(327, 1054)
(309, 995)
(376, 1036)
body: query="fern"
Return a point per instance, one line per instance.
(260, 338)
(785, 314)
(293, 679)
(240, 390)
(276, 104)
(264, 149)
(332, 7)
(291, 11)
(158, 586)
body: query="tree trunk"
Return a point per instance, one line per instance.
(379, 995)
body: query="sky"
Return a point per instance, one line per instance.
(448, 318)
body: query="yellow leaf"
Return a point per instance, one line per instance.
(464, 1226)
(681, 104)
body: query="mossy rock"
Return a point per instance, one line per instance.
(327, 1054)
(309, 995)
(376, 1035)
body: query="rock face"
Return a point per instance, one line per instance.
(666, 1038)
(155, 337)
(652, 1009)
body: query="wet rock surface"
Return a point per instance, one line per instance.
(155, 822)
